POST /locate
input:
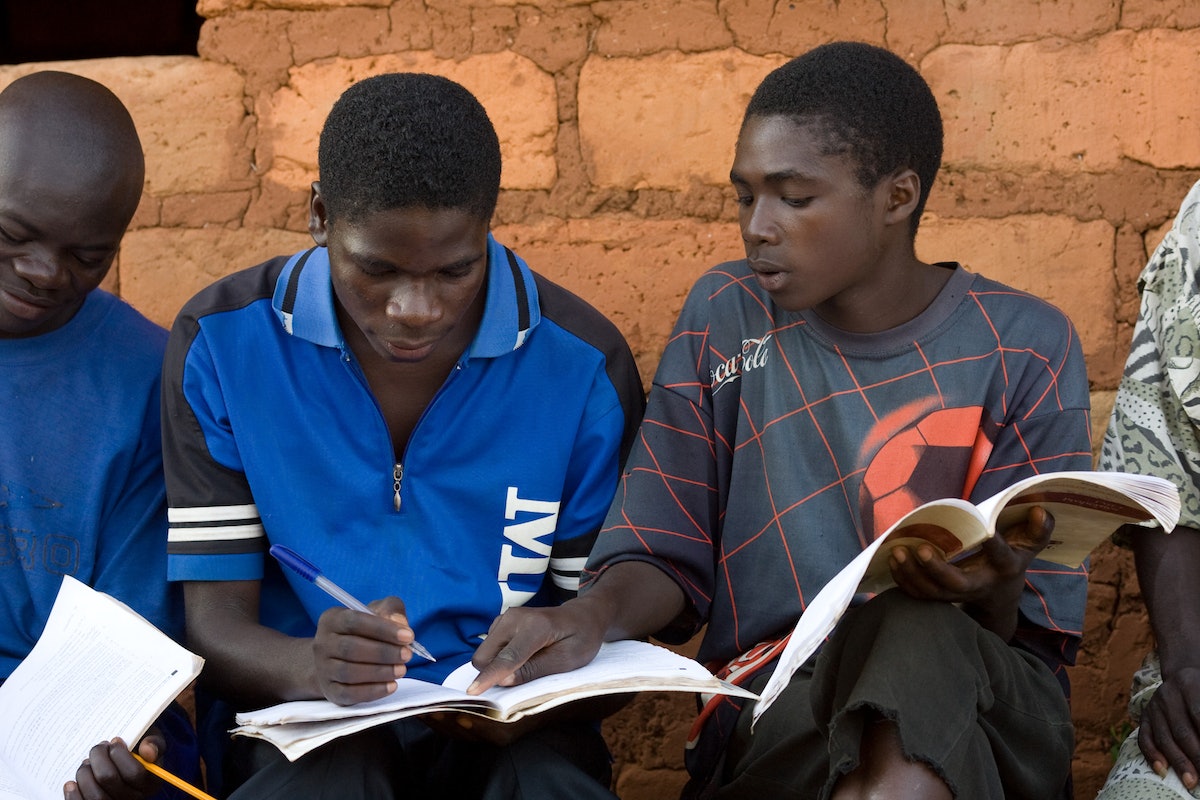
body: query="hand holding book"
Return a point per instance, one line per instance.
(1087, 508)
(99, 671)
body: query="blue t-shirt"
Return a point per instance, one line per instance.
(273, 437)
(81, 487)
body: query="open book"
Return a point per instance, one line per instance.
(98, 671)
(1087, 507)
(619, 668)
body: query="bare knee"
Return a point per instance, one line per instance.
(885, 772)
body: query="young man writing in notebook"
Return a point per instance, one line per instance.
(81, 487)
(810, 395)
(409, 407)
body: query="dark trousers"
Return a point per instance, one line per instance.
(406, 759)
(990, 719)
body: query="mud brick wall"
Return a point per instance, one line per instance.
(1072, 133)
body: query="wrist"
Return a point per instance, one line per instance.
(997, 613)
(596, 610)
(1174, 659)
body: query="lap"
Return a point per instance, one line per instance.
(407, 758)
(961, 699)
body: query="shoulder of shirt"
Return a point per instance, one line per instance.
(577, 316)
(130, 326)
(992, 292)
(236, 290)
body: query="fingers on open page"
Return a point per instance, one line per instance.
(504, 658)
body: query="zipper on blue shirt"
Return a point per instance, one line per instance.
(397, 467)
(397, 476)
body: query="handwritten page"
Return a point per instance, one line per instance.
(98, 671)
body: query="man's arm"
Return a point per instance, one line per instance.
(1167, 567)
(354, 657)
(629, 600)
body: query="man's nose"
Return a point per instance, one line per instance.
(414, 305)
(42, 269)
(757, 224)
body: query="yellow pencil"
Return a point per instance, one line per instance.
(174, 780)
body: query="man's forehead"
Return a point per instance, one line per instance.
(53, 192)
(31, 159)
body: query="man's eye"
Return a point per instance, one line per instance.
(744, 199)
(9, 238)
(90, 260)
(797, 202)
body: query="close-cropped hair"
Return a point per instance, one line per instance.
(406, 140)
(867, 103)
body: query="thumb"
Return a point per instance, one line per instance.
(150, 748)
(1034, 534)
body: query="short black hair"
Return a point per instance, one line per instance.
(404, 140)
(870, 105)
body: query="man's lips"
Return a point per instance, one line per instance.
(26, 297)
(409, 349)
(24, 305)
(770, 276)
(761, 267)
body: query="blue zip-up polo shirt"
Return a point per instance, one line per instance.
(273, 437)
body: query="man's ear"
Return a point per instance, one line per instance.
(903, 196)
(318, 216)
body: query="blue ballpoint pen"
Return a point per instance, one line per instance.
(307, 570)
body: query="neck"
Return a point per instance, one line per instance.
(904, 290)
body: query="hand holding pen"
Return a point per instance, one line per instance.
(307, 570)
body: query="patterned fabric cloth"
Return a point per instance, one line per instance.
(1131, 777)
(1155, 426)
(1155, 430)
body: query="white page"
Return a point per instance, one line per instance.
(10, 782)
(294, 739)
(634, 665)
(639, 666)
(410, 694)
(816, 623)
(98, 671)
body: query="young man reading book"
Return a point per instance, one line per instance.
(1155, 430)
(409, 407)
(81, 487)
(810, 395)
